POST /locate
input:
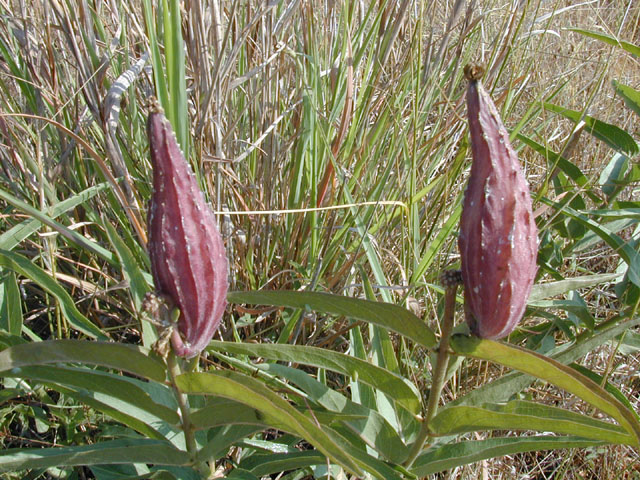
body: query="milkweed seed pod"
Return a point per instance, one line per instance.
(188, 260)
(498, 236)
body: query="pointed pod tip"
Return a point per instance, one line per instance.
(154, 105)
(473, 72)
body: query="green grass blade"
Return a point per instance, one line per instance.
(10, 304)
(629, 47)
(16, 234)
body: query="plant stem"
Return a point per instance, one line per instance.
(439, 374)
(185, 413)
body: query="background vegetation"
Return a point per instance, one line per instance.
(331, 137)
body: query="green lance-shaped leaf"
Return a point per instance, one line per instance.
(272, 464)
(24, 267)
(630, 95)
(385, 315)
(275, 410)
(629, 47)
(103, 453)
(116, 387)
(401, 391)
(551, 371)
(522, 415)
(455, 455)
(612, 135)
(129, 358)
(279, 413)
(503, 388)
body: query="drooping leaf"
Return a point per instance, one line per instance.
(367, 423)
(522, 415)
(280, 414)
(393, 385)
(613, 136)
(463, 453)
(129, 358)
(273, 409)
(110, 452)
(630, 95)
(385, 315)
(139, 402)
(551, 371)
(25, 267)
(504, 387)
(629, 47)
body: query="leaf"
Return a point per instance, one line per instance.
(274, 410)
(463, 453)
(569, 168)
(506, 386)
(111, 452)
(114, 409)
(612, 177)
(608, 387)
(573, 306)
(613, 136)
(138, 284)
(551, 371)
(223, 438)
(66, 232)
(393, 385)
(240, 474)
(129, 358)
(630, 95)
(622, 247)
(24, 267)
(94, 381)
(10, 305)
(629, 47)
(369, 425)
(385, 315)
(263, 465)
(223, 411)
(551, 289)
(521, 415)
(435, 246)
(17, 233)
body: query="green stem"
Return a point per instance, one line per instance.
(439, 375)
(185, 413)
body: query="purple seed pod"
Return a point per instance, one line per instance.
(498, 237)
(188, 259)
